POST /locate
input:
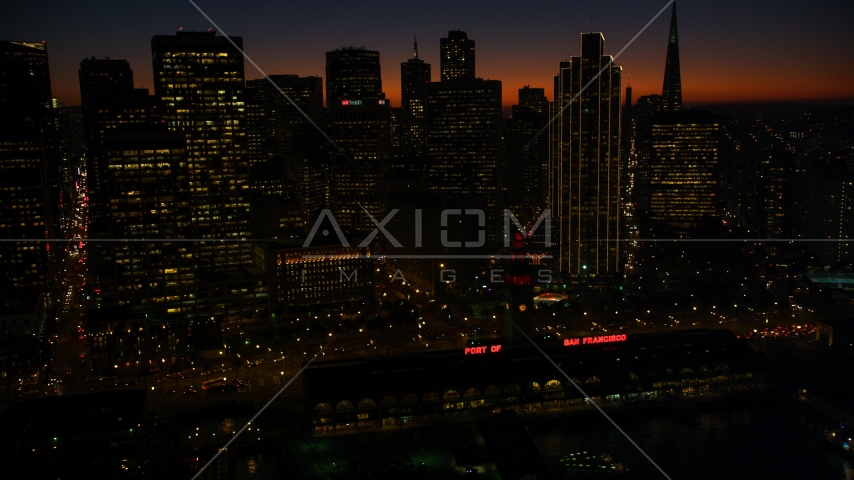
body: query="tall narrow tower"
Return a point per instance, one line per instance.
(414, 77)
(671, 94)
(358, 122)
(586, 164)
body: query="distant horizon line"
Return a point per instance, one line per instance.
(842, 101)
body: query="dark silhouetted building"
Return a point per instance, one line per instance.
(457, 56)
(414, 78)
(29, 170)
(826, 202)
(285, 150)
(385, 392)
(464, 125)
(109, 103)
(525, 169)
(358, 123)
(353, 75)
(671, 93)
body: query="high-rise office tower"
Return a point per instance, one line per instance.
(464, 125)
(643, 113)
(628, 163)
(684, 180)
(586, 161)
(149, 193)
(353, 75)
(671, 94)
(285, 150)
(358, 123)
(414, 77)
(457, 56)
(28, 165)
(198, 77)
(109, 103)
(271, 118)
(526, 158)
(146, 189)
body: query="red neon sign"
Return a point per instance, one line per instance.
(480, 350)
(345, 102)
(571, 342)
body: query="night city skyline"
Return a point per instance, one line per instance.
(453, 240)
(739, 52)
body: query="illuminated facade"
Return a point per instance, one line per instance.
(146, 190)
(358, 123)
(29, 185)
(585, 161)
(320, 275)
(621, 370)
(457, 56)
(198, 77)
(684, 179)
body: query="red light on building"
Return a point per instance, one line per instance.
(571, 342)
(345, 102)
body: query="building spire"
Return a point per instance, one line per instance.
(671, 94)
(416, 46)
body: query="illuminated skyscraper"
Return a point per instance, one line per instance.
(586, 161)
(28, 164)
(414, 77)
(358, 123)
(198, 77)
(457, 56)
(671, 94)
(684, 178)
